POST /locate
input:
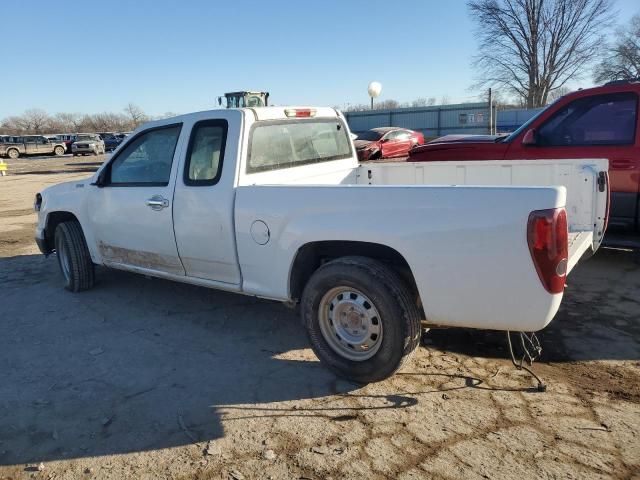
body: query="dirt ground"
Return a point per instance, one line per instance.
(144, 378)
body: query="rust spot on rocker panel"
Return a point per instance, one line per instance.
(152, 261)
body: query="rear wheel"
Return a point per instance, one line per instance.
(360, 318)
(73, 257)
(58, 151)
(13, 153)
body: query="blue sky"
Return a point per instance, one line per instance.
(178, 56)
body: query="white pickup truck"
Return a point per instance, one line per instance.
(272, 202)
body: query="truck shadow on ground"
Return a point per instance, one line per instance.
(141, 364)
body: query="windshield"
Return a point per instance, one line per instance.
(370, 136)
(525, 125)
(84, 138)
(291, 143)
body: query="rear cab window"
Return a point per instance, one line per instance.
(281, 144)
(205, 153)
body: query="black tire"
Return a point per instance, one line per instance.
(13, 153)
(73, 255)
(399, 316)
(58, 151)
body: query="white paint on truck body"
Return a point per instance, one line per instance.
(461, 226)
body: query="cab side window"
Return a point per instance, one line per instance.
(147, 159)
(599, 120)
(397, 135)
(205, 153)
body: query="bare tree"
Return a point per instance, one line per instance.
(167, 115)
(533, 47)
(559, 92)
(135, 113)
(64, 122)
(445, 100)
(622, 60)
(386, 104)
(34, 120)
(38, 121)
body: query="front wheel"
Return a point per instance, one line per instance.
(58, 151)
(73, 257)
(360, 318)
(13, 153)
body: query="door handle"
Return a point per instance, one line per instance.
(157, 202)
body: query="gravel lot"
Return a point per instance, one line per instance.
(144, 378)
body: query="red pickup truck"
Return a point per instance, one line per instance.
(599, 122)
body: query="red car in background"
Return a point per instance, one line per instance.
(386, 142)
(600, 122)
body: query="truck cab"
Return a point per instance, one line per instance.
(599, 122)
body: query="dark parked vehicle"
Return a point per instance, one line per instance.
(386, 142)
(600, 122)
(68, 139)
(111, 142)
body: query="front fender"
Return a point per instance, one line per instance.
(69, 197)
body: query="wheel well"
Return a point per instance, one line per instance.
(53, 220)
(312, 255)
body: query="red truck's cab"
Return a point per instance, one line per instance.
(599, 122)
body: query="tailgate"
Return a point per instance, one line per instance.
(585, 180)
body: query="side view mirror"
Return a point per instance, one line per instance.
(530, 138)
(101, 181)
(384, 140)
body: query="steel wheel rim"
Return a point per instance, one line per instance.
(350, 323)
(65, 260)
(13, 154)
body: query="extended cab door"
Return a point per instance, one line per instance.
(131, 214)
(594, 126)
(205, 196)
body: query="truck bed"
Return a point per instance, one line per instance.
(586, 210)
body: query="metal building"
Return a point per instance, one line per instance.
(466, 118)
(510, 120)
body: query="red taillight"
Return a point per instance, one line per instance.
(547, 236)
(300, 112)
